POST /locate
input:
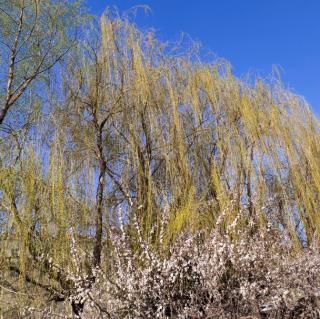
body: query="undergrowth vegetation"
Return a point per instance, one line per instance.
(137, 181)
(199, 276)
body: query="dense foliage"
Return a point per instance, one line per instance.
(138, 182)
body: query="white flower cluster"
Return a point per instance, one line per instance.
(226, 274)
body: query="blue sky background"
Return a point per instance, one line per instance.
(253, 35)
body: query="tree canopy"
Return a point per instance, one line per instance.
(103, 127)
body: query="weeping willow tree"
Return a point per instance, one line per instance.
(171, 132)
(160, 136)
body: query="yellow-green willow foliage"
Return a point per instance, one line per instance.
(171, 142)
(187, 138)
(190, 136)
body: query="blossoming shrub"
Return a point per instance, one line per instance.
(219, 277)
(225, 274)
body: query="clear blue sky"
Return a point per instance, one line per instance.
(253, 35)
